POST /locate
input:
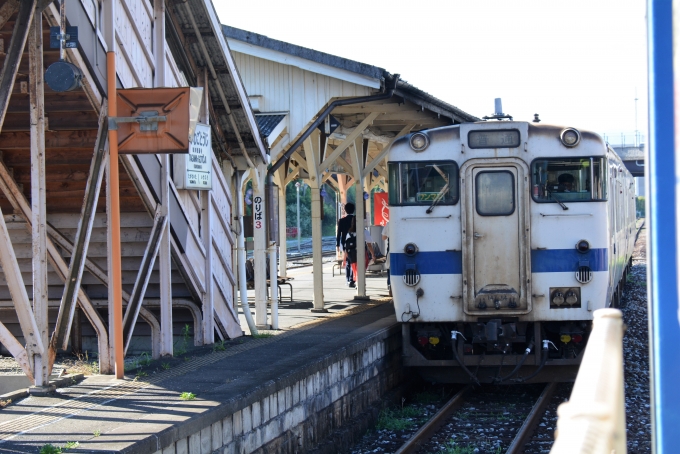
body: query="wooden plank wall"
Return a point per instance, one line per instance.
(286, 88)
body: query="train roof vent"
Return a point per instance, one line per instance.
(584, 274)
(411, 277)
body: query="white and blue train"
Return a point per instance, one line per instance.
(505, 236)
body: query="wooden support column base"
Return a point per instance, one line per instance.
(319, 311)
(41, 391)
(264, 327)
(362, 298)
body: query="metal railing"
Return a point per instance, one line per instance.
(594, 420)
(625, 139)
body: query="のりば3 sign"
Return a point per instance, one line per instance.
(194, 170)
(258, 213)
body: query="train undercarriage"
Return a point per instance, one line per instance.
(496, 350)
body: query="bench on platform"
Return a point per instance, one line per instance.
(280, 280)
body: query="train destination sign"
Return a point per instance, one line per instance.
(499, 138)
(194, 170)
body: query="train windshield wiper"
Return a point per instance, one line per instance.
(564, 207)
(438, 198)
(442, 192)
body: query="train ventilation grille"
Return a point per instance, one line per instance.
(411, 278)
(584, 274)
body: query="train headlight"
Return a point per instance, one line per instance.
(419, 141)
(583, 246)
(570, 137)
(410, 249)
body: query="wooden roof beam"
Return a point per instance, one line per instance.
(349, 140)
(383, 153)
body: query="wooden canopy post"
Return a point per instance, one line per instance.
(165, 248)
(208, 302)
(283, 247)
(312, 146)
(356, 152)
(42, 364)
(260, 246)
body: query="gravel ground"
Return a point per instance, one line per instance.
(636, 353)
(487, 422)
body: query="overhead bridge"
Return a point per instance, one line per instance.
(633, 157)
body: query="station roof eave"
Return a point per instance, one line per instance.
(202, 39)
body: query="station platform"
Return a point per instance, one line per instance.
(284, 393)
(337, 295)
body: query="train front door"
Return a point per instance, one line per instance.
(495, 239)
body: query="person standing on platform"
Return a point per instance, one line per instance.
(344, 224)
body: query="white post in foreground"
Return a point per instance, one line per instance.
(241, 254)
(283, 246)
(273, 287)
(594, 419)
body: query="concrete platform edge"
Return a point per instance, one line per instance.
(166, 438)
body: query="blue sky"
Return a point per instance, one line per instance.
(577, 63)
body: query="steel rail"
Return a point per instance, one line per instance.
(430, 427)
(527, 429)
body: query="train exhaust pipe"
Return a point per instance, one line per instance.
(498, 107)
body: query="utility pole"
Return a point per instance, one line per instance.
(637, 134)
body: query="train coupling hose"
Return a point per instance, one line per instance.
(544, 359)
(454, 337)
(527, 351)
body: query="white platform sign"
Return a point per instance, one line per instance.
(194, 170)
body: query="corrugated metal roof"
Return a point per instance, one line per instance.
(228, 78)
(303, 52)
(267, 123)
(418, 96)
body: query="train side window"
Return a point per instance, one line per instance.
(424, 182)
(569, 179)
(495, 193)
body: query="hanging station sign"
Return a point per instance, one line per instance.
(194, 170)
(381, 209)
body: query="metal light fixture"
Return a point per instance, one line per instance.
(570, 137)
(419, 141)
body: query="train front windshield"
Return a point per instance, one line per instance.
(568, 180)
(423, 183)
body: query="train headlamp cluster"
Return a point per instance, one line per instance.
(419, 142)
(565, 297)
(570, 137)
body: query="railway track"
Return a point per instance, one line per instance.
(491, 420)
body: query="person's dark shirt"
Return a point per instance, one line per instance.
(344, 224)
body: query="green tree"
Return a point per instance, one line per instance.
(328, 223)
